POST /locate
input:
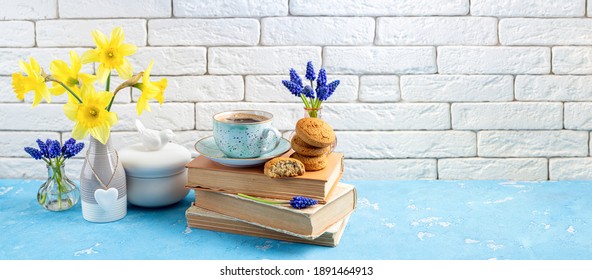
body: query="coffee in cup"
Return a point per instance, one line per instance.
(245, 133)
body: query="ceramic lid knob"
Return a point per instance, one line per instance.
(153, 140)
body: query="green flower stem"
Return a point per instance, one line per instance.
(68, 89)
(57, 177)
(313, 114)
(108, 82)
(132, 82)
(306, 104)
(107, 89)
(261, 200)
(110, 103)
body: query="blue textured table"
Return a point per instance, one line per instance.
(394, 220)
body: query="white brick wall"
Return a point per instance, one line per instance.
(259, 60)
(380, 60)
(524, 169)
(17, 34)
(13, 142)
(390, 169)
(456, 88)
(28, 9)
(201, 88)
(558, 143)
(230, 8)
(572, 60)
(199, 32)
(173, 115)
(49, 117)
(44, 56)
(403, 116)
(545, 32)
(306, 31)
(379, 8)
(407, 144)
(58, 33)
(513, 115)
(430, 89)
(7, 95)
(379, 88)
(171, 60)
(553, 88)
(494, 60)
(578, 115)
(528, 8)
(570, 168)
(436, 31)
(115, 9)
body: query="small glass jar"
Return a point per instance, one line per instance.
(313, 112)
(58, 193)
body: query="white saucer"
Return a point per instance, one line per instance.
(207, 147)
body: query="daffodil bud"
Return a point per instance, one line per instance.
(130, 82)
(46, 76)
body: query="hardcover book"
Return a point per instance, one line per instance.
(308, 223)
(204, 219)
(203, 173)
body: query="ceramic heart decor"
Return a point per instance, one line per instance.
(106, 198)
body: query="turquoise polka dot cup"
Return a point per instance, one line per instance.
(245, 133)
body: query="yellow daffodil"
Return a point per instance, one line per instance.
(71, 77)
(111, 54)
(91, 116)
(34, 81)
(150, 90)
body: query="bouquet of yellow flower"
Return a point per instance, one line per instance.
(88, 108)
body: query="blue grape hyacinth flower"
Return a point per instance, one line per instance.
(71, 148)
(298, 202)
(54, 149)
(310, 73)
(308, 92)
(294, 78)
(301, 202)
(322, 93)
(292, 87)
(34, 153)
(43, 148)
(322, 78)
(331, 87)
(67, 144)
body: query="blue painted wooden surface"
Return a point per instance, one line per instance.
(394, 220)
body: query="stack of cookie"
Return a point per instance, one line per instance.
(312, 143)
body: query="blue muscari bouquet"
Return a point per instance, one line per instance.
(311, 97)
(53, 153)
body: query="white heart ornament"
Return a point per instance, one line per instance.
(106, 198)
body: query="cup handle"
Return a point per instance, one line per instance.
(276, 135)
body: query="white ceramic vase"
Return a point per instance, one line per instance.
(104, 161)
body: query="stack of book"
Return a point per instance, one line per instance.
(218, 206)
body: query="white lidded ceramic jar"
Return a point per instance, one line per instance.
(155, 178)
(155, 169)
